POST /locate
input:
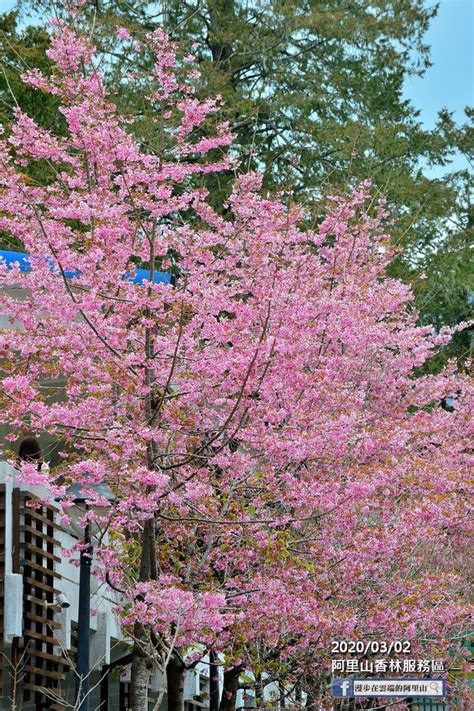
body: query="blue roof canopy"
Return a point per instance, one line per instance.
(141, 275)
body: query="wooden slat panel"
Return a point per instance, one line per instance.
(40, 601)
(49, 623)
(16, 531)
(39, 534)
(43, 669)
(34, 549)
(43, 586)
(52, 658)
(36, 515)
(40, 689)
(45, 672)
(46, 638)
(48, 572)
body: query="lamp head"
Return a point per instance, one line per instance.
(81, 493)
(84, 495)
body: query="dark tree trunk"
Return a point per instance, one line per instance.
(175, 682)
(259, 691)
(230, 688)
(315, 688)
(222, 15)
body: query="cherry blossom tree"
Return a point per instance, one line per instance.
(281, 475)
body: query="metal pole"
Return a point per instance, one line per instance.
(83, 627)
(213, 682)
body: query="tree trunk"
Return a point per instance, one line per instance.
(140, 671)
(315, 689)
(175, 682)
(144, 652)
(259, 691)
(230, 688)
(141, 653)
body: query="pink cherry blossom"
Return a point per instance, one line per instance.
(282, 474)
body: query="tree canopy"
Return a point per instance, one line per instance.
(314, 93)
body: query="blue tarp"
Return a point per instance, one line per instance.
(140, 276)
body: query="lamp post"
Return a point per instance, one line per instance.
(213, 682)
(83, 624)
(82, 504)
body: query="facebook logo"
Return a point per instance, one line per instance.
(342, 688)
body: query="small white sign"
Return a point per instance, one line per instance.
(398, 687)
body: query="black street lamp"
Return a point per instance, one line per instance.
(213, 682)
(82, 504)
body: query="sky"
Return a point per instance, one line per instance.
(449, 83)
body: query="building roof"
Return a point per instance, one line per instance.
(141, 275)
